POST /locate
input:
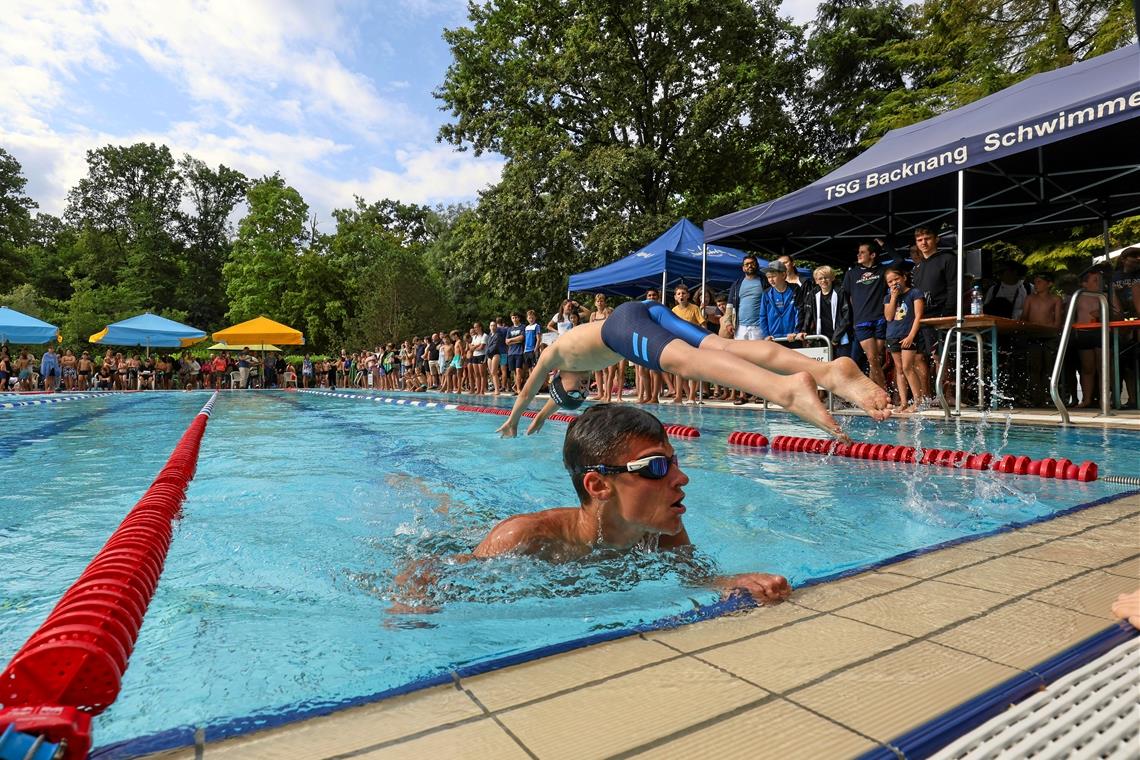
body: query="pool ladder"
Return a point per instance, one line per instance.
(1058, 365)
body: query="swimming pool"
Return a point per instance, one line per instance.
(274, 595)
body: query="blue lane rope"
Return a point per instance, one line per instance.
(57, 399)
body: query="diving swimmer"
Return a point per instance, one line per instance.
(649, 335)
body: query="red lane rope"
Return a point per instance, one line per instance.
(72, 666)
(1060, 469)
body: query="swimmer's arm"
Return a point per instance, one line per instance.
(547, 410)
(516, 534)
(409, 587)
(764, 588)
(546, 362)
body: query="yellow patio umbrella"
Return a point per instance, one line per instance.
(260, 330)
(269, 347)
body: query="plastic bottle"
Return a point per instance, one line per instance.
(976, 301)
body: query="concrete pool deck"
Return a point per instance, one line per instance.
(835, 671)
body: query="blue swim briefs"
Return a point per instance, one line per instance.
(640, 330)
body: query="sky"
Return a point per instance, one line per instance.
(337, 96)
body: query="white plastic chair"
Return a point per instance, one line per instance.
(290, 379)
(235, 380)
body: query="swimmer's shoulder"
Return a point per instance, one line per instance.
(526, 533)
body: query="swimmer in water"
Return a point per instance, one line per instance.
(631, 490)
(649, 335)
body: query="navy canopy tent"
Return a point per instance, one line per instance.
(668, 260)
(1059, 149)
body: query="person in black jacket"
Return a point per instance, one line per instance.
(935, 273)
(827, 311)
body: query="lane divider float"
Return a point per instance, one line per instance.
(676, 431)
(72, 667)
(57, 399)
(1059, 469)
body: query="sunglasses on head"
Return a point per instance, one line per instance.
(651, 468)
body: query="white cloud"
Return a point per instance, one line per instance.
(265, 88)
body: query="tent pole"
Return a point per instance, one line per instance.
(1104, 232)
(961, 281)
(704, 302)
(664, 279)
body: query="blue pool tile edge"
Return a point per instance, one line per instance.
(1066, 661)
(926, 739)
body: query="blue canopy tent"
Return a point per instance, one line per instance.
(1056, 150)
(673, 257)
(19, 328)
(148, 330)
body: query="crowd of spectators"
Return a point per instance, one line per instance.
(873, 313)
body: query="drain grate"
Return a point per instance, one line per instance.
(1092, 712)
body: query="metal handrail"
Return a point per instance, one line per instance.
(830, 356)
(1058, 365)
(939, 393)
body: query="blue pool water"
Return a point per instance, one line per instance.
(274, 595)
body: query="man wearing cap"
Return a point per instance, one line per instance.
(650, 335)
(779, 309)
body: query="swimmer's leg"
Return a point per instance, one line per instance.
(794, 392)
(840, 375)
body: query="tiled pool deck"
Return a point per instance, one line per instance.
(833, 672)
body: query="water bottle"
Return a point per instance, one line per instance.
(976, 301)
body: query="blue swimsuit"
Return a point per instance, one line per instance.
(640, 330)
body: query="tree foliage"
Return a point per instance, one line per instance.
(262, 266)
(15, 220)
(962, 50)
(615, 117)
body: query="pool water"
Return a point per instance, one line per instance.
(275, 593)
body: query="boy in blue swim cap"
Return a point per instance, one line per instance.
(649, 335)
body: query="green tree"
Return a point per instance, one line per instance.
(262, 266)
(130, 199)
(850, 49)
(963, 50)
(616, 117)
(212, 195)
(15, 222)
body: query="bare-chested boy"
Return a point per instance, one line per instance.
(630, 487)
(1088, 342)
(1043, 306)
(649, 335)
(1046, 308)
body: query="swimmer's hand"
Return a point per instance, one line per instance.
(764, 588)
(535, 425)
(842, 437)
(508, 429)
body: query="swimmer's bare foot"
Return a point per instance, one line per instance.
(853, 385)
(1127, 607)
(805, 403)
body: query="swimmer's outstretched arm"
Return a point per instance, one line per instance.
(764, 588)
(547, 361)
(409, 587)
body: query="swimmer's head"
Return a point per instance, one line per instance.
(565, 389)
(601, 434)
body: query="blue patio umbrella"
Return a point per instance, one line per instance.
(148, 330)
(17, 327)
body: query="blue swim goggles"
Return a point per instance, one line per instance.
(651, 468)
